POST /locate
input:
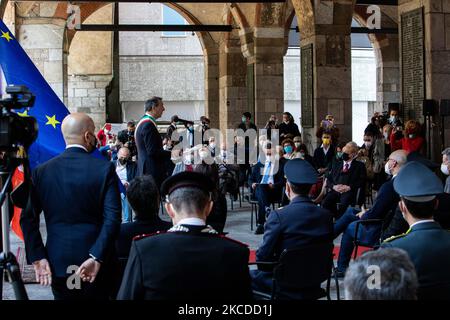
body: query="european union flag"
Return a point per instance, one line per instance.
(48, 109)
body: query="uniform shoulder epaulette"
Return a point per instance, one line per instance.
(395, 237)
(232, 240)
(142, 236)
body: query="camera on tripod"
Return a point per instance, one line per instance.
(15, 130)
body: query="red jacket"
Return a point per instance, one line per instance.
(407, 144)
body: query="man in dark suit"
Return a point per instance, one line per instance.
(267, 182)
(301, 223)
(80, 199)
(368, 234)
(426, 243)
(126, 171)
(143, 197)
(190, 261)
(151, 155)
(344, 180)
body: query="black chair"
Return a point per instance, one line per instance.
(299, 272)
(357, 243)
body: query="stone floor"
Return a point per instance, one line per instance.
(237, 226)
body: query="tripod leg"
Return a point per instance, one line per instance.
(13, 274)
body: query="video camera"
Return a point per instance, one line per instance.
(15, 130)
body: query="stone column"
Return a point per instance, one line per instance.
(232, 84)
(388, 71)
(212, 101)
(332, 80)
(269, 48)
(42, 39)
(437, 61)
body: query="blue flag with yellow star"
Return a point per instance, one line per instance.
(48, 109)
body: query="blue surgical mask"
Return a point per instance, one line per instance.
(288, 149)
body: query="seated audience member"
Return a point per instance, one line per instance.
(445, 166)
(126, 171)
(345, 179)
(426, 242)
(385, 204)
(289, 149)
(191, 261)
(143, 197)
(302, 153)
(323, 155)
(411, 141)
(297, 142)
(397, 224)
(398, 278)
(267, 182)
(218, 214)
(186, 163)
(300, 223)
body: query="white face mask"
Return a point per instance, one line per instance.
(444, 169)
(368, 144)
(212, 145)
(297, 144)
(387, 169)
(188, 159)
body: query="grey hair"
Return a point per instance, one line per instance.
(398, 278)
(446, 152)
(151, 103)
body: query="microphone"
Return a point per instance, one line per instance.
(185, 122)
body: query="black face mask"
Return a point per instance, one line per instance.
(345, 156)
(123, 161)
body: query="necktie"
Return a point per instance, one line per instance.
(265, 179)
(345, 168)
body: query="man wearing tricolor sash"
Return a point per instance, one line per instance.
(151, 155)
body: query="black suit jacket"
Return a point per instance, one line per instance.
(80, 199)
(355, 177)
(321, 160)
(186, 266)
(151, 155)
(298, 224)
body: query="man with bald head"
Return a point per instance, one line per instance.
(79, 197)
(347, 176)
(384, 205)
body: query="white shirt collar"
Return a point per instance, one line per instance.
(421, 221)
(192, 221)
(76, 146)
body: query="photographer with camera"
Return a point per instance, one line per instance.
(126, 137)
